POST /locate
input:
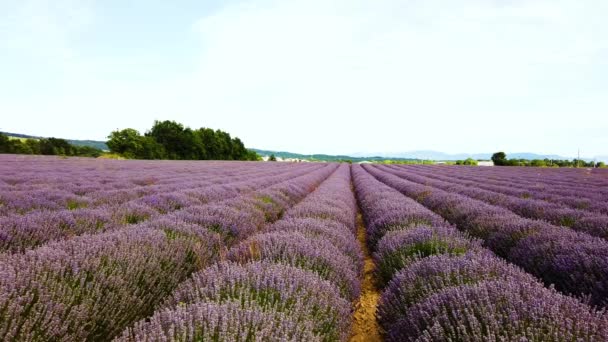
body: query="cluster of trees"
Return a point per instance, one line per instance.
(468, 161)
(500, 158)
(46, 146)
(171, 140)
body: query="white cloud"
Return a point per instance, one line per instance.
(387, 75)
(43, 28)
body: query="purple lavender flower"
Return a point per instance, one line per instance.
(499, 310)
(399, 248)
(428, 276)
(218, 322)
(295, 249)
(301, 296)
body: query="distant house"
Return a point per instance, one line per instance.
(485, 163)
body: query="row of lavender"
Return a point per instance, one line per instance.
(576, 196)
(588, 184)
(20, 232)
(441, 285)
(94, 286)
(560, 178)
(295, 281)
(595, 224)
(44, 183)
(574, 262)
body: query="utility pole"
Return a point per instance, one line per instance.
(578, 158)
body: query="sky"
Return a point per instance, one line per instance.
(314, 76)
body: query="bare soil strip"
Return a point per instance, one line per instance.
(365, 327)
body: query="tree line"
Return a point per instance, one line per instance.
(45, 146)
(500, 159)
(172, 140)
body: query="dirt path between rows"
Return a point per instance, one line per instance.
(365, 327)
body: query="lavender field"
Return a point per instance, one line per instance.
(125, 250)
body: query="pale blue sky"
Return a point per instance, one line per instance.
(341, 76)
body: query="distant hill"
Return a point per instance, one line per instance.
(91, 143)
(417, 155)
(358, 157)
(441, 156)
(324, 157)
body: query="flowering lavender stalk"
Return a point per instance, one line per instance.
(296, 250)
(397, 249)
(387, 210)
(507, 310)
(428, 276)
(335, 232)
(301, 296)
(218, 322)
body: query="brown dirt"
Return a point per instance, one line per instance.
(365, 327)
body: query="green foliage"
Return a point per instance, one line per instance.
(127, 142)
(272, 158)
(600, 164)
(5, 144)
(252, 156)
(538, 163)
(468, 161)
(172, 140)
(178, 142)
(46, 146)
(499, 158)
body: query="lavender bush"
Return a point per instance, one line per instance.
(397, 249)
(301, 296)
(505, 310)
(295, 249)
(218, 322)
(428, 276)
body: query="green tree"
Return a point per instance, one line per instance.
(127, 142)
(209, 147)
(499, 158)
(253, 156)
(34, 145)
(150, 149)
(470, 161)
(5, 144)
(54, 146)
(538, 163)
(224, 143)
(86, 151)
(177, 140)
(21, 147)
(239, 152)
(272, 158)
(171, 140)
